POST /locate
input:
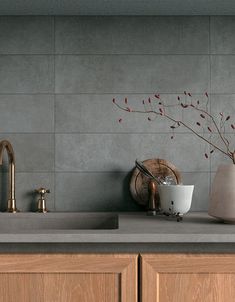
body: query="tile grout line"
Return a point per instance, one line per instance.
(115, 54)
(105, 133)
(90, 172)
(54, 134)
(54, 31)
(210, 93)
(108, 93)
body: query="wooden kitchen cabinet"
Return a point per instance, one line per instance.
(114, 278)
(188, 278)
(68, 278)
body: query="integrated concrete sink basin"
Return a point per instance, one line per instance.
(57, 221)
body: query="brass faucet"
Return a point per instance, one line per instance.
(11, 203)
(42, 200)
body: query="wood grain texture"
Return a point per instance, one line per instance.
(188, 277)
(82, 287)
(197, 287)
(68, 277)
(21, 287)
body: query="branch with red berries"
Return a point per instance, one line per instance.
(205, 122)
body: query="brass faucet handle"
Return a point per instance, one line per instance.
(42, 201)
(42, 191)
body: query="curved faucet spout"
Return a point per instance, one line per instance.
(6, 145)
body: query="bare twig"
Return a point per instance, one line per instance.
(177, 123)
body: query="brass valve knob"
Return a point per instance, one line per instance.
(42, 201)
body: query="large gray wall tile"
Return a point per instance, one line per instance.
(218, 157)
(33, 152)
(117, 152)
(129, 73)
(191, 115)
(94, 192)
(134, 35)
(222, 34)
(26, 35)
(226, 105)
(97, 113)
(223, 74)
(26, 183)
(26, 113)
(201, 182)
(26, 74)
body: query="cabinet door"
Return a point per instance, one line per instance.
(188, 277)
(68, 278)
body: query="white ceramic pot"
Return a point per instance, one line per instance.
(175, 198)
(222, 196)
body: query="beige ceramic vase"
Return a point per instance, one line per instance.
(222, 197)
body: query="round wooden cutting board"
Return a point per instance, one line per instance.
(139, 182)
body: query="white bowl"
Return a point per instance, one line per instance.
(175, 199)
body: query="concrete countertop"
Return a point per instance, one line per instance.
(133, 228)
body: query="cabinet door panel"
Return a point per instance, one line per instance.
(82, 287)
(68, 278)
(196, 287)
(21, 287)
(185, 277)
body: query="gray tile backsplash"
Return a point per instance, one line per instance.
(131, 73)
(26, 35)
(26, 113)
(73, 114)
(34, 152)
(222, 35)
(94, 192)
(58, 76)
(222, 73)
(26, 74)
(132, 35)
(117, 152)
(26, 183)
